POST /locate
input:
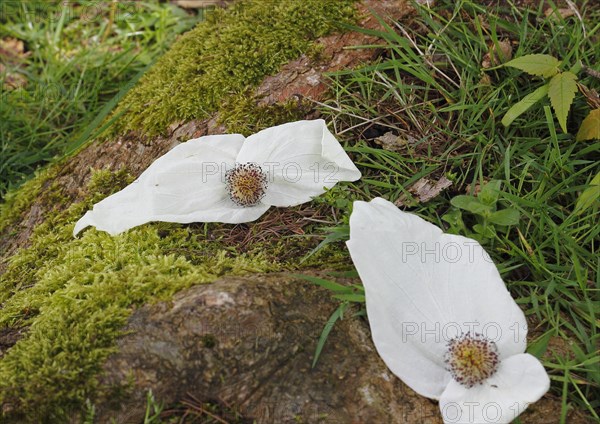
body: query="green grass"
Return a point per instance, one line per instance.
(429, 86)
(80, 56)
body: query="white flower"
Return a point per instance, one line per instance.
(229, 178)
(442, 318)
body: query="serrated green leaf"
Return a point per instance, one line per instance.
(562, 91)
(589, 196)
(536, 64)
(590, 127)
(505, 217)
(529, 100)
(471, 204)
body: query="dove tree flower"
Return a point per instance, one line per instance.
(441, 317)
(229, 178)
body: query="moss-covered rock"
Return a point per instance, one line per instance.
(73, 296)
(224, 56)
(212, 69)
(65, 301)
(244, 115)
(16, 201)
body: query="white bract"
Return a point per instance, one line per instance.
(229, 178)
(442, 318)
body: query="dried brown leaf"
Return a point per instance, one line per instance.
(12, 50)
(393, 142)
(424, 190)
(559, 13)
(14, 81)
(497, 54)
(591, 96)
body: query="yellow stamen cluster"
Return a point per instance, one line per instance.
(246, 184)
(472, 359)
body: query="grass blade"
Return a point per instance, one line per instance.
(521, 107)
(329, 285)
(337, 314)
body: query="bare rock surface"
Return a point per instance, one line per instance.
(249, 342)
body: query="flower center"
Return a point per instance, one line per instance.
(246, 184)
(472, 359)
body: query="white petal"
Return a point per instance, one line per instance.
(185, 185)
(302, 158)
(520, 380)
(421, 293)
(399, 300)
(191, 177)
(226, 212)
(123, 210)
(475, 296)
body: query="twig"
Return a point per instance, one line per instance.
(591, 72)
(573, 7)
(195, 405)
(111, 20)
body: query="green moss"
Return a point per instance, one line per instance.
(74, 296)
(51, 237)
(104, 182)
(224, 56)
(242, 114)
(18, 201)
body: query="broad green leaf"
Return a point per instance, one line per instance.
(562, 92)
(590, 127)
(490, 192)
(471, 204)
(505, 217)
(589, 196)
(536, 64)
(529, 100)
(485, 232)
(454, 218)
